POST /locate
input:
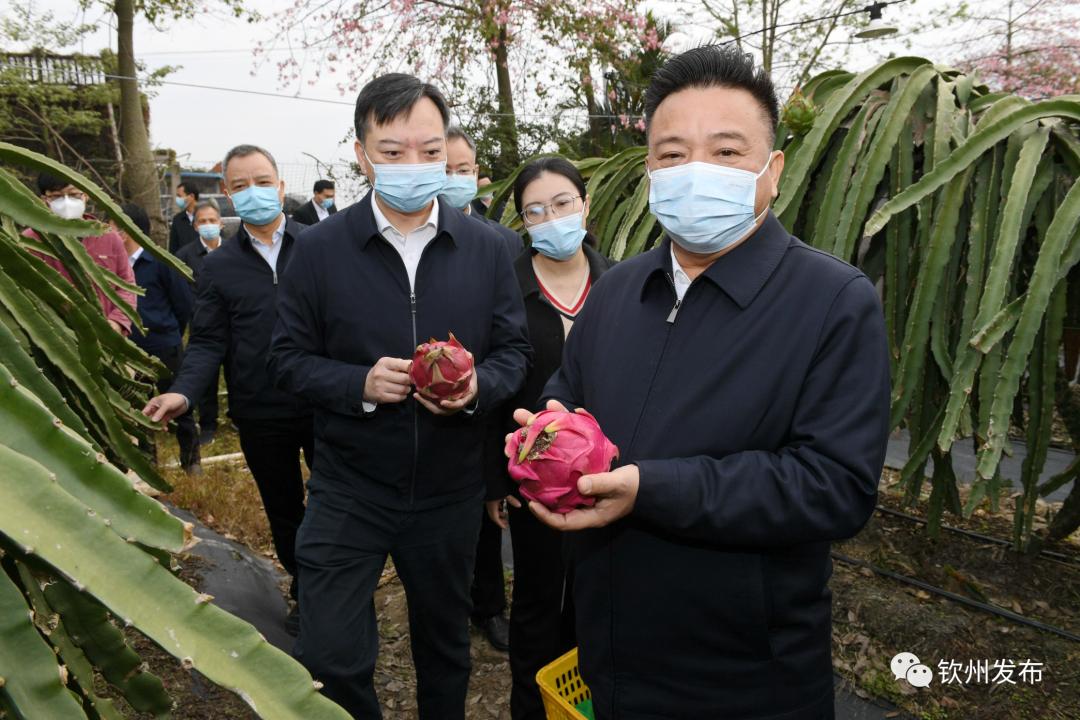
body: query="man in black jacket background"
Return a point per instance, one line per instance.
(235, 313)
(488, 588)
(398, 475)
(165, 311)
(207, 223)
(181, 230)
(319, 207)
(744, 377)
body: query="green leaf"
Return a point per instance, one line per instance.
(28, 211)
(28, 158)
(977, 143)
(28, 427)
(32, 679)
(48, 522)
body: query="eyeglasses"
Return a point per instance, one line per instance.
(560, 206)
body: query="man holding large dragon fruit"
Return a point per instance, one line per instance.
(399, 418)
(742, 378)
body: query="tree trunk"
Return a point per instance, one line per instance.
(510, 156)
(140, 180)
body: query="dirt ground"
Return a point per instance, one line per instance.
(874, 617)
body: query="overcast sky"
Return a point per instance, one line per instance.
(201, 124)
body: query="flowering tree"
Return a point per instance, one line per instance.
(1027, 47)
(529, 51)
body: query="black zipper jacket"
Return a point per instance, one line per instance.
(757, 413)
(346, 302)
(233, 320)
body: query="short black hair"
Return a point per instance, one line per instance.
(138, 216)
(244, 151)
(536, 168)
(390, 96)
(189, 189)
(46, 182)
(321, 185)
(455, 132)
(714, 66)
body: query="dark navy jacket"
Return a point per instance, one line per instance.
(514, 242)
(235, 312)
(757, 413)
(194, 255)
(165, 308)
(345, 302)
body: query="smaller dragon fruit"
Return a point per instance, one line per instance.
(442, 370)
(550, 454)
(800, 113)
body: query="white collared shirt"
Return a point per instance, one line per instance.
(135, 256)
(211, 249)
(269, 252)
(682, 280)
(409, 246)
(320, 212)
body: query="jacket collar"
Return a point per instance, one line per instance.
(742, 272)
(361, 220)
(527, 278)
(243, 237)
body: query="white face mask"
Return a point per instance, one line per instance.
(68, 208)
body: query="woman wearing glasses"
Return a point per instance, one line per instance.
(555, 278)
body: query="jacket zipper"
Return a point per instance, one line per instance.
(416, 411)
(678, 302)
(633, 440)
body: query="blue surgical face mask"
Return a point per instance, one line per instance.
(327, 203)
(181, 203)
(257, 205)
(459, 190)
(559, 239)
(704, 207)
(209, 232)
(408, 188)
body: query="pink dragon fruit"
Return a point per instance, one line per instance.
(550, 454)
(442, 370)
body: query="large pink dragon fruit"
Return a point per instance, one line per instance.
(550, 454)
(442, 370)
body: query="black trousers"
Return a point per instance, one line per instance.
(341, 550)
(208, 409)
(187, 434)
(272, 448)
(541, 612)
(488, 589)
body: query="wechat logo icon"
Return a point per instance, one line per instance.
(907, 666)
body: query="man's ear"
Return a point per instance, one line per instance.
(361, 159)
(776, 169)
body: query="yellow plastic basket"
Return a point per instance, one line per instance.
(561, 688)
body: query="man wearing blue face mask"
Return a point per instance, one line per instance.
(235, 312)
(181, 230)
(460, 190)
(399, 475)
(488, 586)
(319, 207)
(750, 405)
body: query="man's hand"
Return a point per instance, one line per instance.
(163, 408)
(117, 327)
(496, 510)
(615, 494)
(449, 407)
(388, 381)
